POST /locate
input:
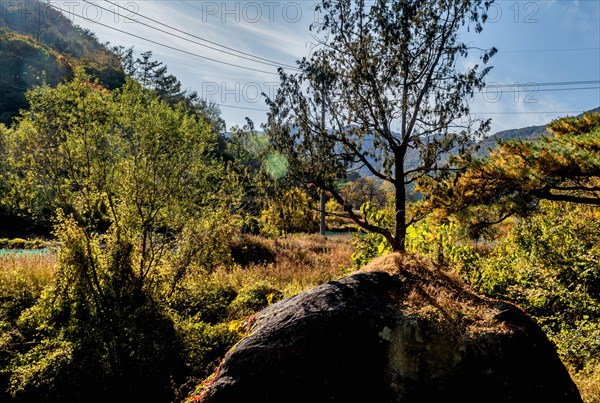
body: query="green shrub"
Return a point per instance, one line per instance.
(370, 245)
(204, 298)
(247, 250)
(94, 333)
(43, 371)
(367, 246)
(205, 344)
(293, 213)
(20, 243)
(253, 298)
(549, 264)
(17, 243)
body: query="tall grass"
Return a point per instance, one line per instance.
(301, 262)
(588, 382)
(26, 271)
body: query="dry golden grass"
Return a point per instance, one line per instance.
(30, 271)
(588, 382)
(300, 263)
(438, 293)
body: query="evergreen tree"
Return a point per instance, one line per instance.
(388, 82)
(562, 166)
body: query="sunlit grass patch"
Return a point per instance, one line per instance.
(31, 269)
(299, 263)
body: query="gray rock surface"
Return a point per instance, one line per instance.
(415, 335)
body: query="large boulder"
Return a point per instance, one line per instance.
(398, 332)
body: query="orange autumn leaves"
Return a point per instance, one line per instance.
(564, 165)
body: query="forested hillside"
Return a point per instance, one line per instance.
(38, 45)
(526, 133)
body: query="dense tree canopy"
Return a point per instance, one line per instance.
(129, 181)
(125, 159)
(387, 81)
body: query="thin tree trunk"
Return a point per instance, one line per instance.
(400, 236)
(400, 207)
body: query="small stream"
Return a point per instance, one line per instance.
(17, 252)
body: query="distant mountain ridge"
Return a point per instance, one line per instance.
(524, 133)
(528, 133)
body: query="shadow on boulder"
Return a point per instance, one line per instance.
(399, 331)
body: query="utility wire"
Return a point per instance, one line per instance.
(244, 55)
(523, 113)
(168, 46)
(489, 85)
(544, 84)
(267, 110)
(546, 50)
(8, 83)
(548, 90)
(241, 107)
(244, 27)
(22, 88)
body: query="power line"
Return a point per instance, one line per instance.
(241, 107)
(524, 113)
(472, 113)
(168, 46)
(549, 90)
(547, 50)
(271, 62)
(488, 85)
(248, 56)
(23, 88)
(266, 110)
(544, 84)
(14, 54)
(266, 61)
(244, 27)
(8, 83)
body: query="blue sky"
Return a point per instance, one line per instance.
(544, 47)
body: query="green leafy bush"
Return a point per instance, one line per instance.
(205, 344)
(253, 298)
(203, 298)
(550, 264)
(293, 213)
(367, 246)
(20, 243)
(370, 245)
(94, 333)
(42, 371)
